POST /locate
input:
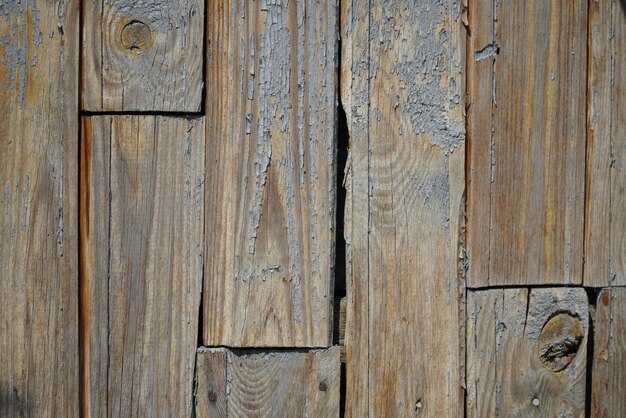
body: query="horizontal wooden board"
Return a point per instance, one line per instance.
(271, 100)
(237, 383)
(527, 104)
(142, 206)
(527, 352)
(142, 55)
(39, 357)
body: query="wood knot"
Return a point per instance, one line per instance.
(136, 37)
(559, 341)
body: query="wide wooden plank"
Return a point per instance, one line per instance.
(142, 55)
(238, 383)
(142, 205)
(527, 352)
(608, 383)
(271, 99)
(39, 360)
(533, 151)
(405, 115)
(605, 231)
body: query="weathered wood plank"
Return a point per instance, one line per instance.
(142, 55)
(605, 240)
(533, 152)
(271, 99)
(142, 200)
(237, 383)
(39, 359)
(405, 116)
(527, 352)
(609, 354)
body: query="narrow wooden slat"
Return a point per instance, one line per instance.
(236, 383)
(271, 99)
(142, 199)
(605, 232)
(609, 359)
(142, 55)
(536, 158)
(527, 352)
(39, 357)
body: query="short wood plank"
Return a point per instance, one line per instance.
(236, 383)
(536, 157)
(527, 352)
(39, 357)
(142, 199)
(142, 55)
(609, 354)
(271, 100)
(605, 231)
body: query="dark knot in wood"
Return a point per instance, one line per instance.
(559, 341)
(136, 37)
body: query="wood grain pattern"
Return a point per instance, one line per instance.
(527, 352)
(142, 55)
(271, 99)
(402, 74)
(528, 139)
(605, 231)
(39, 356)
(609, 354)
(237, 383)
(142, 200)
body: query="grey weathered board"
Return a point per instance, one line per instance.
(238, 383)
(271, 100)
(142, 55)
(401, 90)
(39, 358)
(142, 207)
(526, 128)
(527, 352)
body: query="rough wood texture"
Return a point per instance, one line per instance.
(527, 352)
(142, 205)
(38, 209)
(609, 355)
(527, 141)
(242, 383)
(142, 55)
(271, 99)
(401, 72)
(605, 240)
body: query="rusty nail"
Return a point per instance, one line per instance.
(323, 387)
(212, 397)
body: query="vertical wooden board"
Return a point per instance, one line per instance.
(527, 352)
(605, 240)
(271, 99)
(142, 245)
(535, 160)
(39, 357)
(609, 354)
(234, 383)
(142, 55)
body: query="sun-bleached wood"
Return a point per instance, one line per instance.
(142, 220)
(271, 100)
(238, 383)
(527, 352)
(526, 130)
(401, 90)
(39, 357)
(142, 55)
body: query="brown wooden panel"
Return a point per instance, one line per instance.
(609, 354)
(142, 55)
(271, 99)
(238, 383)
(39, 357)
(527, 159)
(142, 205)
(527, 352)
(605, 240)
